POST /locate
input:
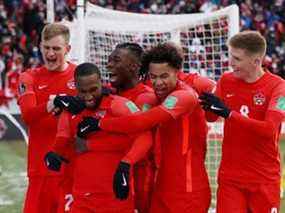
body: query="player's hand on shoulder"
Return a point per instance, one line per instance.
(53, 161)
(73, 104)
(121, 185)
(87, 126)
(212, 103)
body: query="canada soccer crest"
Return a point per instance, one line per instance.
(259, 99)
(71, 84)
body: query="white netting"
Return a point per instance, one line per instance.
(202, 36)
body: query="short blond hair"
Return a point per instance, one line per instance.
(250, 41)
(55, 29)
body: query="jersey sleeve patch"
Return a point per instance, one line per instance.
(132, 107)
(281, 103)
(145, 107)
(170, 102)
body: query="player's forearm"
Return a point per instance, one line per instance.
(267, 128)
(139, 149)
(135, 123)
(64, 147)
(30, 111)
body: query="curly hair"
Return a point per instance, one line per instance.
(163, 53)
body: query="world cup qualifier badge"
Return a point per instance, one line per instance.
(259, 99)
(71, 84)
(281, 103)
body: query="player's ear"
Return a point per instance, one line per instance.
(68, 47)
(135, 67)
(41, 46)
(257, 61)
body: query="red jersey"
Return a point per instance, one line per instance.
(197, 82)
(142, 95)
(250, 150)
(94, 169)
(173, 118)
(36, 86)
(198, 130)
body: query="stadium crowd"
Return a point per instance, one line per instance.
(22, 21)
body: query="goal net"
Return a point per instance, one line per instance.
(202, 36)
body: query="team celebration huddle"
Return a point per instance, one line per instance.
(138, 143)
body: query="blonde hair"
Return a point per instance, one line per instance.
(55, 29)
(250, 41)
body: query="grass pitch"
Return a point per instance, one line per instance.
(13, 179)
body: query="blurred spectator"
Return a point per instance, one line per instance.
(22, 20)
(268, 17)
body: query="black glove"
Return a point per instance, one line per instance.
(53, 161)
(212, 103)
(86, 126)
(121, 185)
(72, 104)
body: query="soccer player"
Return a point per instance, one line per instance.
(201, 193)
(172, 191)
(252, 102)
(94, 168)
(39, 100)
(124, 66)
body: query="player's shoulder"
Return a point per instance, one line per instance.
(184, 92)
(183, 87)
(275, 81)
(27, 76)
(71, 65)
(142, 88)
(203, 84)
(274, 78)
(34, 73)
(119, 105)
(187, 77)
(71, 68)
(227, 79)
(227, 76)
(145, 95)
(182, 98)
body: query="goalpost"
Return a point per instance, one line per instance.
(203, 38)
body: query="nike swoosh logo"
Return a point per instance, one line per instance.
(84, 128)
(124, 180)
(215, 108)
(42, 86)
(65, 104)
